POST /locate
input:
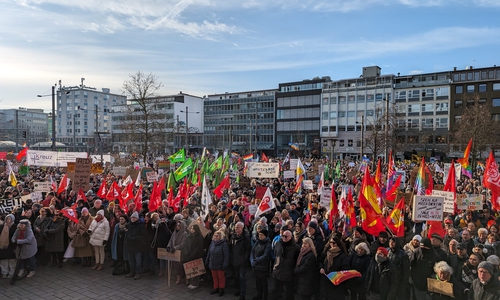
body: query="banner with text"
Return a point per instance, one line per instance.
(263, 170)
(448, 205)
(428, 208)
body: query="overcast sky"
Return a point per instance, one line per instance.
(205, 47)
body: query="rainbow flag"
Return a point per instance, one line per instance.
(298, 186)
(464, 162)
(338, 277)
(481, 166)
(419, 181)
(248, 157)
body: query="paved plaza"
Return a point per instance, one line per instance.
(74, 282)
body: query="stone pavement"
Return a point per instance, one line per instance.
(74, 282)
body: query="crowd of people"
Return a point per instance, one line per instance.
(293, 246)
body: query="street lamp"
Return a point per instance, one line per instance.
(386, 99)
(362, 135)
(53, 115)
(187, 126)
(74, 128)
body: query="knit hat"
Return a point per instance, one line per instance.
(383, 234)
(426, 243)
(25, 222)
(278, 226)
(264, 232)
(263, 219)
(313, 225)
(436, 236)
(494, 260)
(383, 250)
(85, 210)
(11, 216)
(364, 246)
(135, 215)
(101, 212)
(487, 266)
(417, 237)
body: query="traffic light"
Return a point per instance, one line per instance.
(24, 134)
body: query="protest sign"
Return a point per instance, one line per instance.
(194, 268)
(440, 287)
(428, 208)
(24, 198)
(233, 174)
(82, 174)
(308, 184)
(70, 167)
(152, 176)
(41, 186)
(252, 209)
(162, 253)
(288, 174)
(96, 168)
(36, 196)
(8, 204)
(471, 202)
(262, 170)
(293, 163)
(326, 195)
(120, 171)
(448, 205)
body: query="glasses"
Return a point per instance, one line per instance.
(286, 236)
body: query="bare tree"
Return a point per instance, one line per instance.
(476, 123)
(146, 118)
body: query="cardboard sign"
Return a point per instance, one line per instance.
(252, 209)
(152, 177)
(471, 202)
(194, 268)
(293, 163)
(7, 205)
(145, 170)
(262, 170)
(326, 196)
(71, 167)
(36, 196)
(440, 287)
(439, 187)
(233, 174)
(165, 255)
(308, 184)
(41, 186)
(132, 172)
(448, 205)
(82, 174)
(96, 168)
(428, 208)
(288, 174)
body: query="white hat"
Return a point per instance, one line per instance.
(417, 237)
(101, 212)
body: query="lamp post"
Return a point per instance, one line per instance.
(386, 99)
(187, 127)
(53, 115)
(362, 136)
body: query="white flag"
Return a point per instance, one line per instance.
(138, 179)
(266, 204)
(127, 181)
(206, 199)
(300, 169)
(321, 183)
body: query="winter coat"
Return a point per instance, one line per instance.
(99, 232)
(240, 249)
(422, 268)
(340, 263)
(135, 239)
(118, 241)
(306, 274)
(286, 257)
(178, 237)
(8, 252)
(218, 255)
(261, 255)
(83, 226)
(55, 236)
(29, 246)
(192, 246)
(488, 291)
(387, 276)
(318, 240)
(42, 225)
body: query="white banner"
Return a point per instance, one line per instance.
(41, 158)
(105, 157)
(64, 157)
(326, 196)
(7, 205)
(263, 170)
(448, 205)
(288, 174)
(428, 208)
(293, 163)
(41, 186)
(308, 184)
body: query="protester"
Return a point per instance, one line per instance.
(218, 261)
(99, 235)
(55, 239)
(27, 247)
(7, 247)
(486, 286)
(260, 257)
(306, 270)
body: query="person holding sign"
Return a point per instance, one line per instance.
(445, 286)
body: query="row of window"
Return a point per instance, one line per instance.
(353, 99)
(476, 75)
(427, 123)
(481, 88)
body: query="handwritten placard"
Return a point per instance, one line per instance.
(82, 174)
(471, 202)
(293, 163)
(326, 195)
(448, 205)
(308, 184)
(194, 268)
(428, 208)
(42, 186)
(162, 253)
(288, 174)
(152, 176)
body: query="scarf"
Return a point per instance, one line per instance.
(21, 235)
(412, 252)
(4, 236)
(298, 235)
(330, 255)
(469, 273)
(303, 251)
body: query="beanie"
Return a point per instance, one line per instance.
(101, 212)
(494, 260)
(487, 266)
(383, 250)
(85, 210)
(11, 216)
(417, 237)
(135, 215)
(313, 225)
(426, 243)
(264, 232)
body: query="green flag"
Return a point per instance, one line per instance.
(194, 178)
(171, 181)
(204, 168)
(217, 164)
(225, 164)
(337, 170)
(178, 156)
(183, 170)
(24, 170)
(326, 172)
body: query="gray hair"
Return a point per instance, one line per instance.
(443, 267)
(239, 224)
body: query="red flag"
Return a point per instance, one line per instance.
(334, 210)
(103, 190)
(350, 213)
(451, 183)
(395, 221)
(170, 198)
(177, 200)
(491, 180)
(435, 227)
(70, 213)
(53, 184)
(138, 199)
(370, 219)
(63, 185)
(264, 157)
(430, 181)
(155, 198)
(81, 196)
(128, 192)
(113, 192)
(393, 191)
(225, 184)
(22, 153)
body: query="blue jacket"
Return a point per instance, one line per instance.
(218, 255)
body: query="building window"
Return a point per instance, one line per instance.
(442, 123)
(333, 128)
(352, 99)
(428, 123)
(341, 143)
(325, 115)
(496, 86)
(350, 128)
(350, 143)
(459, 89)
(482, 101)
(351, 114)
(324, 128)
(325, 100)
(458, 119)
(495, 117)
(333, 115)
(333, 100)
(341, 114)
(496, 102)
(361, 98)
(482, 88)
(458, 103)
(441, 106)
(342, 100)
(470, 88)
(358, 143)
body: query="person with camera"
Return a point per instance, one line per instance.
(175, 243)
(55, 239)
(99, 235)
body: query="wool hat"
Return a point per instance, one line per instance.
(11, 216)
(383, 234)
(313, 225)
(487, 266)
(101, 212)
(135, 215)
(494, 260)
(278, 226)
(426, 243)
(85, 210)
(25, 221)
(383, 250)
(364, 246)
(263, 219)
(436, 236)
(264, 232)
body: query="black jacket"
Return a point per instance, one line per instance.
(261, 255)
(306, 274)
(192, 246)
(423, 268)
(383, 279)
(240, 249)
(489, 291)
(135, 238)
(286, 257)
